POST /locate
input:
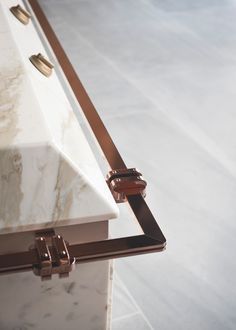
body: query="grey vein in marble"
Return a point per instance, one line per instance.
(48, 172)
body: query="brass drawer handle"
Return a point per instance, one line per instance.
(42, 64)
(21, 14)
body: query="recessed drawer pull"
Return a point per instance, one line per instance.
(42, 64)
(21, 14)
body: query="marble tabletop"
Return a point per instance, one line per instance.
(48, 173)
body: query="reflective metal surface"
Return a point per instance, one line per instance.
(21, 14)
(42, 64)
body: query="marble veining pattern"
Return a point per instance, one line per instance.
(167, 68)
(77, 302)
(47, 167)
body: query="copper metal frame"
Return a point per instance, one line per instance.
(152, 239)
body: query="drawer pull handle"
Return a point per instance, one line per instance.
(21, 14)
(42, 64)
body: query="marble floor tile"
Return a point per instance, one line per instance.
(123, 306)
(180, 62)
(174, 298)
(135, 321)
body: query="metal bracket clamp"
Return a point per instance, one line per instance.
(126, 182)
(53, 256)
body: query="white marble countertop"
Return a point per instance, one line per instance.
(49, 175)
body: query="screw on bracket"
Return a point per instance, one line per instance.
(53, 255)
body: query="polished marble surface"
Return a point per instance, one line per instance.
(65, 303)
(162, 76)
(45, 177)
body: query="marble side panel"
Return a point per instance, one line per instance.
(77, 302)
(81, 301)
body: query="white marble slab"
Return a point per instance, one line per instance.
(77, 302)
(48, 173)
(80, 301)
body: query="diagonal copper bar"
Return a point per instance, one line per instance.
(18, 261)
(112, 154)
(152, 240)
